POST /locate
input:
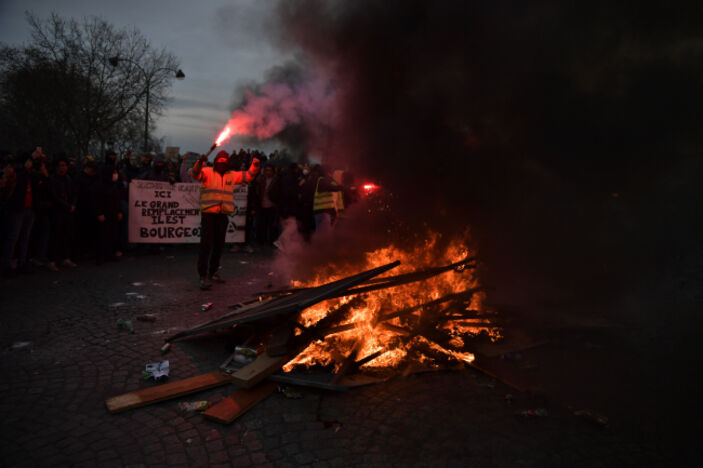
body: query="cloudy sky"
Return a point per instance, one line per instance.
(221, 45)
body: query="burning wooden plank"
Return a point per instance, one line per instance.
(293, 303)
(374, 284)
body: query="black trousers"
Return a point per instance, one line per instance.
(213, 229)
(61, 235)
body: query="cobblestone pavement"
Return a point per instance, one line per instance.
(62, 355)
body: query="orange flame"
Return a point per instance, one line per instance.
(405, 338)
(224, 135)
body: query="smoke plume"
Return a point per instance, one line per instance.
(545, 127)
(295, 104)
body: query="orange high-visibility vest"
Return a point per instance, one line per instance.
(217, 191)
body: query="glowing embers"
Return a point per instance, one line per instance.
(423, 313)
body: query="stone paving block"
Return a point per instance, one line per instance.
(214, 446)
(242, 460)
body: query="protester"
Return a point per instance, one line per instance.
(186, 165)
(64, 196)
(144, 165)
(109, 215)
(265, 218)
(43, 208)
(87, 185)
(19, 195)
(158, 171)
(216, 202)
(7, 180)
(322, 198)
(128, 168)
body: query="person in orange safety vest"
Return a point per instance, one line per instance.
(216, 202)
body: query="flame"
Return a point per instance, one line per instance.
(427, 334)
(224, 135)
(370, 187)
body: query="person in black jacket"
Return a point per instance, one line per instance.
(63, 194)
(19, 206)
(43, 207)
(106, 198)
(86, 214)
(284, 192)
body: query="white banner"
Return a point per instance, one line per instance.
(160, 212)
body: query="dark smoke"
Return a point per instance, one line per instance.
(566, 136)
(546, 127)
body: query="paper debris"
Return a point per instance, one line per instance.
(156, 370)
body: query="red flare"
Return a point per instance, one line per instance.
(224, 135)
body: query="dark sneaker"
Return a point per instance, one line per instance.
(217, 278)
(205, 283)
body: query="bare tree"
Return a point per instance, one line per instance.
(64, 92)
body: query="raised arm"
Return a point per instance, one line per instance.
(198, 167)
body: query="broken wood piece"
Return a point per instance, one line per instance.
(321, 382)
(303, 380)
(394, 328)
(348, 362)
(238, 403)
(337, 329)
(254, 372)
(213, 324)
(368, 358)
(147, 396)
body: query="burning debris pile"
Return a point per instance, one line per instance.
(419, 316)
(392, 318)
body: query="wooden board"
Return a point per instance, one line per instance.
(315, 381)
(238, 403)
(166, 391)
(253, 373)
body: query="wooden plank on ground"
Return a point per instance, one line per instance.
(238, 403)
(166, 391)
(254, 372)
(315, 381)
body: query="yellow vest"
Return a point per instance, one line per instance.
(217, 192)
(327, 200)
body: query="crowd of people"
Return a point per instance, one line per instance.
(57, 212)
